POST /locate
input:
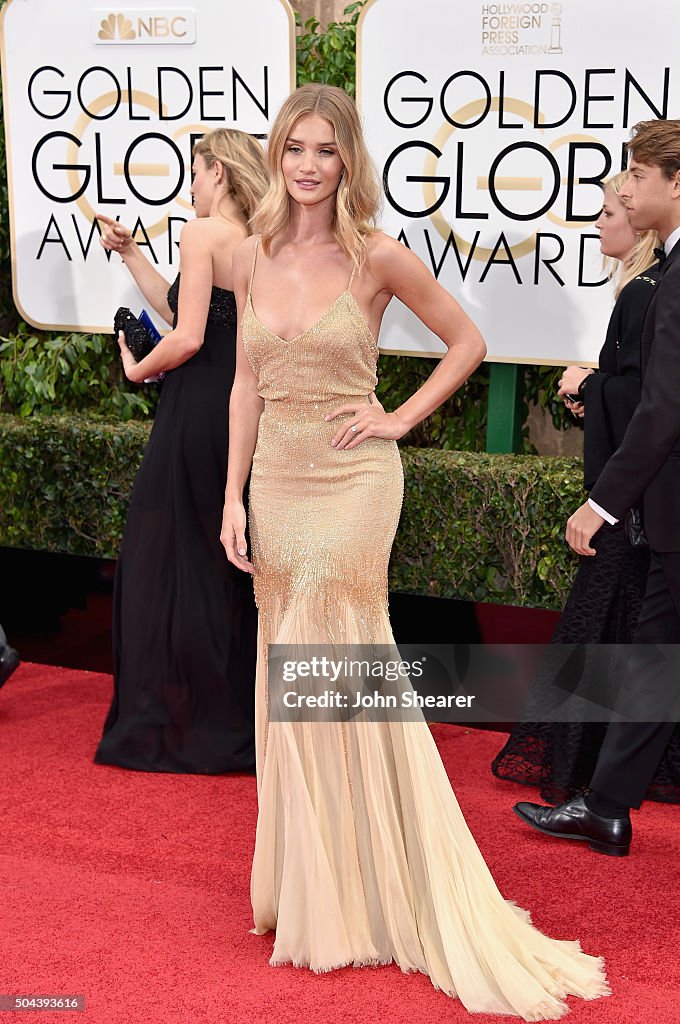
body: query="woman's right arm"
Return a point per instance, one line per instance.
(245, 409)
(153, 286)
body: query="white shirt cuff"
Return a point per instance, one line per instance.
(601, 512)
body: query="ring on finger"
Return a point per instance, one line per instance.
(354, 428)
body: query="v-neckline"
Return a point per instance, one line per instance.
(316, 323)
(291, 341)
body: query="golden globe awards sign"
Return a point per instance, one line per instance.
(494, 125)
(102, 108)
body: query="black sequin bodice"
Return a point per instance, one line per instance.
(222, 310)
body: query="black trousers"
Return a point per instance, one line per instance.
(650, 692)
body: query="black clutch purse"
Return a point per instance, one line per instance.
(138, 339)
(634, 530)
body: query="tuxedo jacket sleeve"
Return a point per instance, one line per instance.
(648, 460)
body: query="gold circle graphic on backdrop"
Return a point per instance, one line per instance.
(469, 110)
(144, 99)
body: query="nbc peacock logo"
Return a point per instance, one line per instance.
(116, 26)
(143, 25)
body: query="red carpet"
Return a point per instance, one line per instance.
(132, 889)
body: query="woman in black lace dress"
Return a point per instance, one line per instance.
(604, 603)
(184, 628)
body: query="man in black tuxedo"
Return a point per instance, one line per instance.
(644, 470)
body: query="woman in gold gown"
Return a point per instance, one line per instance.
(362, 855)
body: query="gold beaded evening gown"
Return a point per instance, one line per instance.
(362, 855)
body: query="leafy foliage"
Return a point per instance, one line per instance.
(541, 386)
(460, 423)
(65, 482)
(47, 372)
(329, 56)
(474, 526)
(486, 527)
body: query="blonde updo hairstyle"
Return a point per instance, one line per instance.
(244, 163)
(640, 258)
(359, 193)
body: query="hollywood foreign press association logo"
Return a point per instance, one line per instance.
(116, 26)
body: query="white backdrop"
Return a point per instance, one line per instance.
(101, 108)
(494, 116)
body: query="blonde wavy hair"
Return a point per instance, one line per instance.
(358, 197)
(640, 258)
(244, 162)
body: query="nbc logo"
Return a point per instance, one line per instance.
(116, 26)
(144, 26)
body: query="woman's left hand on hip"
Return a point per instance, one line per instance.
(365, 421)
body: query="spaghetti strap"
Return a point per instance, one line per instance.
(351, 278)
(252, 269)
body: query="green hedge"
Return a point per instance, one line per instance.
(486, 527)
(474, 526)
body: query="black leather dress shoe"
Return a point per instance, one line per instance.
(9, 660)
(574, 820)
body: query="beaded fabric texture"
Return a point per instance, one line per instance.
(362, 855)
(222, 309)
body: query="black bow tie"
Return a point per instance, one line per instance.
(660, 254)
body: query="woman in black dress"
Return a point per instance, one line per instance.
(604, 603)
(184, 621)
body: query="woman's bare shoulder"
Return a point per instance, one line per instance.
(212, 231)
(245, 249)
(378, 241)
(381, 247)
(247, 245)
(384, 253)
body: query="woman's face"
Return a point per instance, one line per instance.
(617, 237)
(311, 163)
